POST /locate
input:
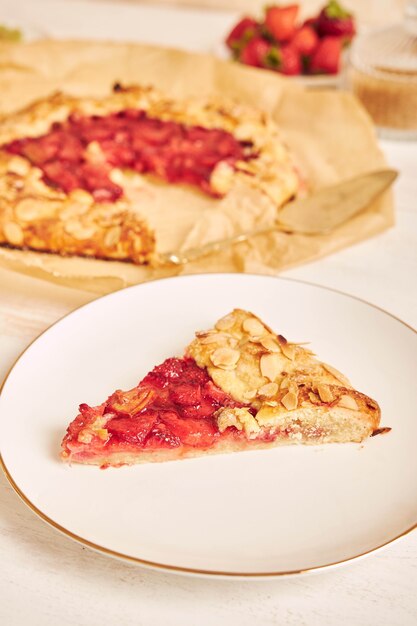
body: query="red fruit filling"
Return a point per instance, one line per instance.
(128, 139)
(174, 405)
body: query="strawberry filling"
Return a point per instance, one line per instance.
(127, 139)
(173, 406)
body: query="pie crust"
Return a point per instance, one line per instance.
(79, 221)
(238, 387)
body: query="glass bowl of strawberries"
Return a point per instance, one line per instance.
(312, 50)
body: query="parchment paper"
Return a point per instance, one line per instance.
(328, 132)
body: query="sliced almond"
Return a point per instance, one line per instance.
(290, 400)
(270, 344)
(13, 233)
(314, 398)
(18, 165)
(85, 436)
(112, 236)
(338, 375)
(325, 393)
(220, 338)
(77, 230)
(30, 209)
(226, 418)
(225, 323)
(285, 383)
(27, 210)
(270, 366)
(225, 358)
(80, 196)
(347, 402)
(250, 425)
(268, 390)
(288, 349)
(239, 418)
(292, 385)
(253, 327)
(204, 333)
(250, 394)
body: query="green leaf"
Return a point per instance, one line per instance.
(238, 45)
(335, 11)
(273, 58)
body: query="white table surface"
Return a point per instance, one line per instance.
(46, 579)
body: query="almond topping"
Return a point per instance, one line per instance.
(347, 402)
(285, 383)
(270, 366)
(290, 400)
(31, 209)
(251, 394)
(214, 338)
(112, 236)
(226, 418)
(77, 230)
(225, 358)
(268, 390)
(270, 344)
(80, 196)
(18, 165)
(204, 333)
(225, 323)
(338, 375)
(253, 327)
(288, 350)
(85, 436)
(13, 233)
(325, 393)
(314, 398)
(239, 418)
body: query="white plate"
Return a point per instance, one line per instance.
(261, 513)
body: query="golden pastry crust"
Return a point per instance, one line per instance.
(275, 393)
(286, 385)
(36, 216)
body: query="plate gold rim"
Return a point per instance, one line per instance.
(176, 568)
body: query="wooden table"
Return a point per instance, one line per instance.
(46, 579)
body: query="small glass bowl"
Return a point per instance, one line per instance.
(382, 73)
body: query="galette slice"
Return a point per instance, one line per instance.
(238, 387)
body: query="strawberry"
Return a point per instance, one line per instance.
(245, 27)
(290, 61)
(280, 21)
(132, 429)
(286, 60)
(312, 22)
(254, 52)
(335, 21)
(305, 40)
(326, 58)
